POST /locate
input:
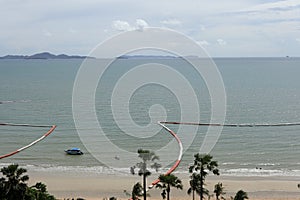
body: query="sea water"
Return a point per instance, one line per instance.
(258, 91)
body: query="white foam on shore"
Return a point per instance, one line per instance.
(260, 172)
(245, 172)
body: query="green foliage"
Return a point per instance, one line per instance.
(39, 192)
(203, 164)
(2, 188)
(195, 185)
(137, 191)
(219, 191)
(166, 182)
(14, 183)
(147, 157)
(13, 186)
(241, 195)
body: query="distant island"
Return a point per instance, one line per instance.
(44, 55)
(146, 57)
(47, 55)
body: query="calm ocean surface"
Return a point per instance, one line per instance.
(259, 91)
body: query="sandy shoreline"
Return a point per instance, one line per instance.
(98, 186)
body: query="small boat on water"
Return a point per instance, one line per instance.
(74, 151)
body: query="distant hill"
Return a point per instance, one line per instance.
(145, 57)
(47, 55)
(44, 55)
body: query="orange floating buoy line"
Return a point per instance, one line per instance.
(162, 123)
(52, 127)
(179, 155)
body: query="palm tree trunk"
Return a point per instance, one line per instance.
(168, 192)
(144, 187)
(193, 194)
(201, 183)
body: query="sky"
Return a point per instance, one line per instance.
(224, 28)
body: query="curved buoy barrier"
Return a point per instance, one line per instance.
(206, 124)
(32, 143)
(179, 155)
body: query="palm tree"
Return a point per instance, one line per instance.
(39, 192)
(14, 183)
(166, 182)
(2, 188)
(194, 185)
(219, 191)
(137, 191)
(146, 156)
(241, 195)
(202, 165)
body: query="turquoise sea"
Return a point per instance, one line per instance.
(259, 91)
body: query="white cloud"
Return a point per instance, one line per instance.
(141, 24)
(275, 11)
(121, 25)
(221, 42)
(298, 40)
(275, 5)
(203, 43)
(172, 22)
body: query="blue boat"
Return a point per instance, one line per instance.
(74, 151)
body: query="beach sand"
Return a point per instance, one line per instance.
(97, 186)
